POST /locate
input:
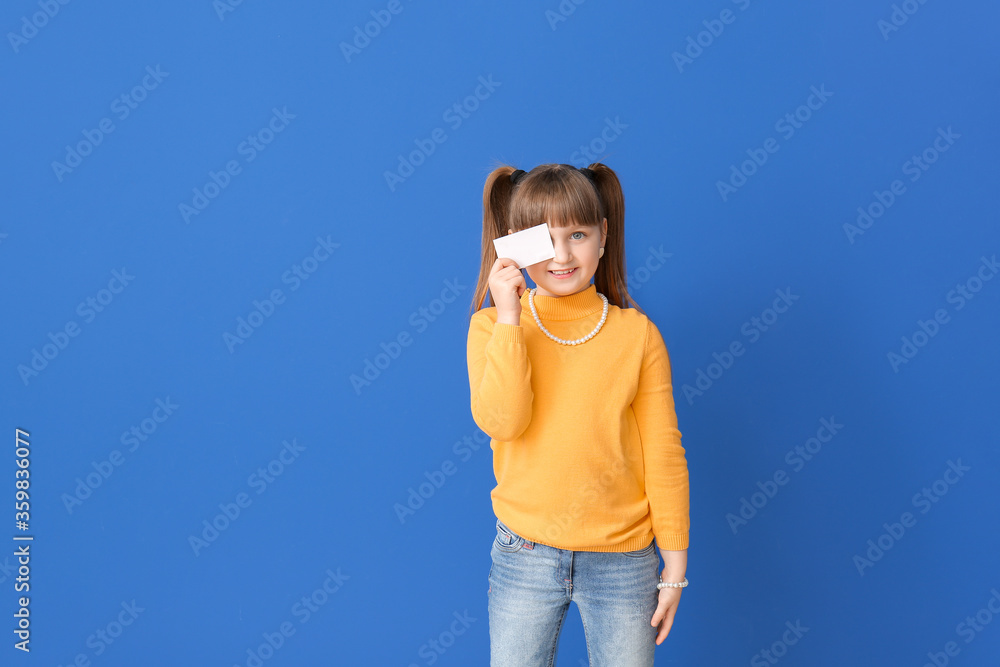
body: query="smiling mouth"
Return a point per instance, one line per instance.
(568, 272)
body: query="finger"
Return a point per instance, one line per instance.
(504, 270)
(668, 622)
(510, 272)
(659, 614)
(508, 277)
(513, 283)
(664, 631)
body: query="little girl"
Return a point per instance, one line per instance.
(574, 387)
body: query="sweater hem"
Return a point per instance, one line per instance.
(631, 544)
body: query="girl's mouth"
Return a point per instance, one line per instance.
(563, 275)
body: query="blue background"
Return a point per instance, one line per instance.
(559, 81)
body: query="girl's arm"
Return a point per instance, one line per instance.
(666, 473)
(674, 565)
(499, 378)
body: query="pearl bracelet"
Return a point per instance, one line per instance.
(667, 584)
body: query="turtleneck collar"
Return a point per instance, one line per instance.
(572, 307)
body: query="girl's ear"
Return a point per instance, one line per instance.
(509, 232)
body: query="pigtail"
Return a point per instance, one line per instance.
(610, 278)
(496, 206)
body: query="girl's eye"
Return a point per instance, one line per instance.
(575, 233)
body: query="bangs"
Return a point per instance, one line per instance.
(561, 196)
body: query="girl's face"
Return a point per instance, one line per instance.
(576, 248)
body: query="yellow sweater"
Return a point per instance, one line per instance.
(586, 450)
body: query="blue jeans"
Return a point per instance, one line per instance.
(531, 586)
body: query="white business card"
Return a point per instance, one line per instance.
(526, 247)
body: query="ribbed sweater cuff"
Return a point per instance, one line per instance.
(675, 542)
(508, 333)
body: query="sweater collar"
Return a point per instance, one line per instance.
(572, 307)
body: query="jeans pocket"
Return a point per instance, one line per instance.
(506, 539)
(641, 553)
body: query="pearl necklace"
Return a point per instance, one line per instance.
(604, 316)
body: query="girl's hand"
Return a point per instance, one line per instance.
(506, 287)
(665, 610)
